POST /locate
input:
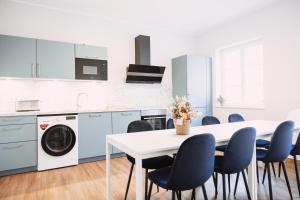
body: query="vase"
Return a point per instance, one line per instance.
(182, 126)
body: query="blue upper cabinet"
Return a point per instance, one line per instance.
(93, 128)
(191, 77)
(90, 52)
(17, 56)
(55, 60)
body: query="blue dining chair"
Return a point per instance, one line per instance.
(294, 152)
(170, 124)
(279, 149)
(192, 167)
(236, 159)
(210, 120)
(150, 163)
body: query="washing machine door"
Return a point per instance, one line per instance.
(58, 140)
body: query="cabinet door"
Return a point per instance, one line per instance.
(93, 128)
(197, 87)
(121, 120)
(179, 76)
(18, 155)
(17, 56)
(90, 52)
(55, 60)
(202, 112)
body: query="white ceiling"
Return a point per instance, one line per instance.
(182, 16)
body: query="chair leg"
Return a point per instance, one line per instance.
(236, 182)
(264, 176)
(228, 176)
(269, 181)
(257, 172)
(287, 180)
(297, 173)
(246, 185)
(128, 182)
(178, 195)
(279, 170)
(193, 194)
(150, 190)
(204, 192)
(273, 169)
(216, 188)
(224, 186)
(146, 184)
(173, 195)
(157, 188)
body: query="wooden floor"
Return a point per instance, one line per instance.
(87, 181)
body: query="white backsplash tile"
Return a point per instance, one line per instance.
(55, 95)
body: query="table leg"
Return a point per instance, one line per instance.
(252, 177)
(139, 179)
(108, 176)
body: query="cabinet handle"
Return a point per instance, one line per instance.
(12, 147)
(126, 114)
(12, 128)
(91, 57)
(95, 115)
(38, 69)
(33, 70)
(11, 119)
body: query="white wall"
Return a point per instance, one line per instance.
(38, 22)
(280, 27)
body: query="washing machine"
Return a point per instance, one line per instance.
(57, 141)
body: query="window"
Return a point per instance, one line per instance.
(239, 75)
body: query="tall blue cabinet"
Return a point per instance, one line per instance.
(192, 77)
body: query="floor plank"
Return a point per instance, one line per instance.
(87, 181)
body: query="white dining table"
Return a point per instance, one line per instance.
(149, 144)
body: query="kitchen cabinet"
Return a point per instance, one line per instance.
(90, 52)
(121, 120)
(18, 143)
(191, 77)
(18, 155)
(17, 56)
(93, 128)
(55, 60)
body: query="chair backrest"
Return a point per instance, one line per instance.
(209, 120)
(138, 126)
(235, 118)
(239, 151)
(281, 142)
(170, 124)
(194, 162)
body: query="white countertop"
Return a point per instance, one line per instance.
(49, 112)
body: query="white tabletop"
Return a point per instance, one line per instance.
(160, 140)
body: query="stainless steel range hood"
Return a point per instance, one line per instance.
(142, 71)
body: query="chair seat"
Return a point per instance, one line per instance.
(154, 163)
(221, 148)
(261, 154)
(160, 177)
(262, 143)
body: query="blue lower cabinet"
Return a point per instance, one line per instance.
(93, 128)
(17, 133)
(121, 120)
(18, 155)
(202, 112)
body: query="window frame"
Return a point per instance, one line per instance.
(219, 77)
